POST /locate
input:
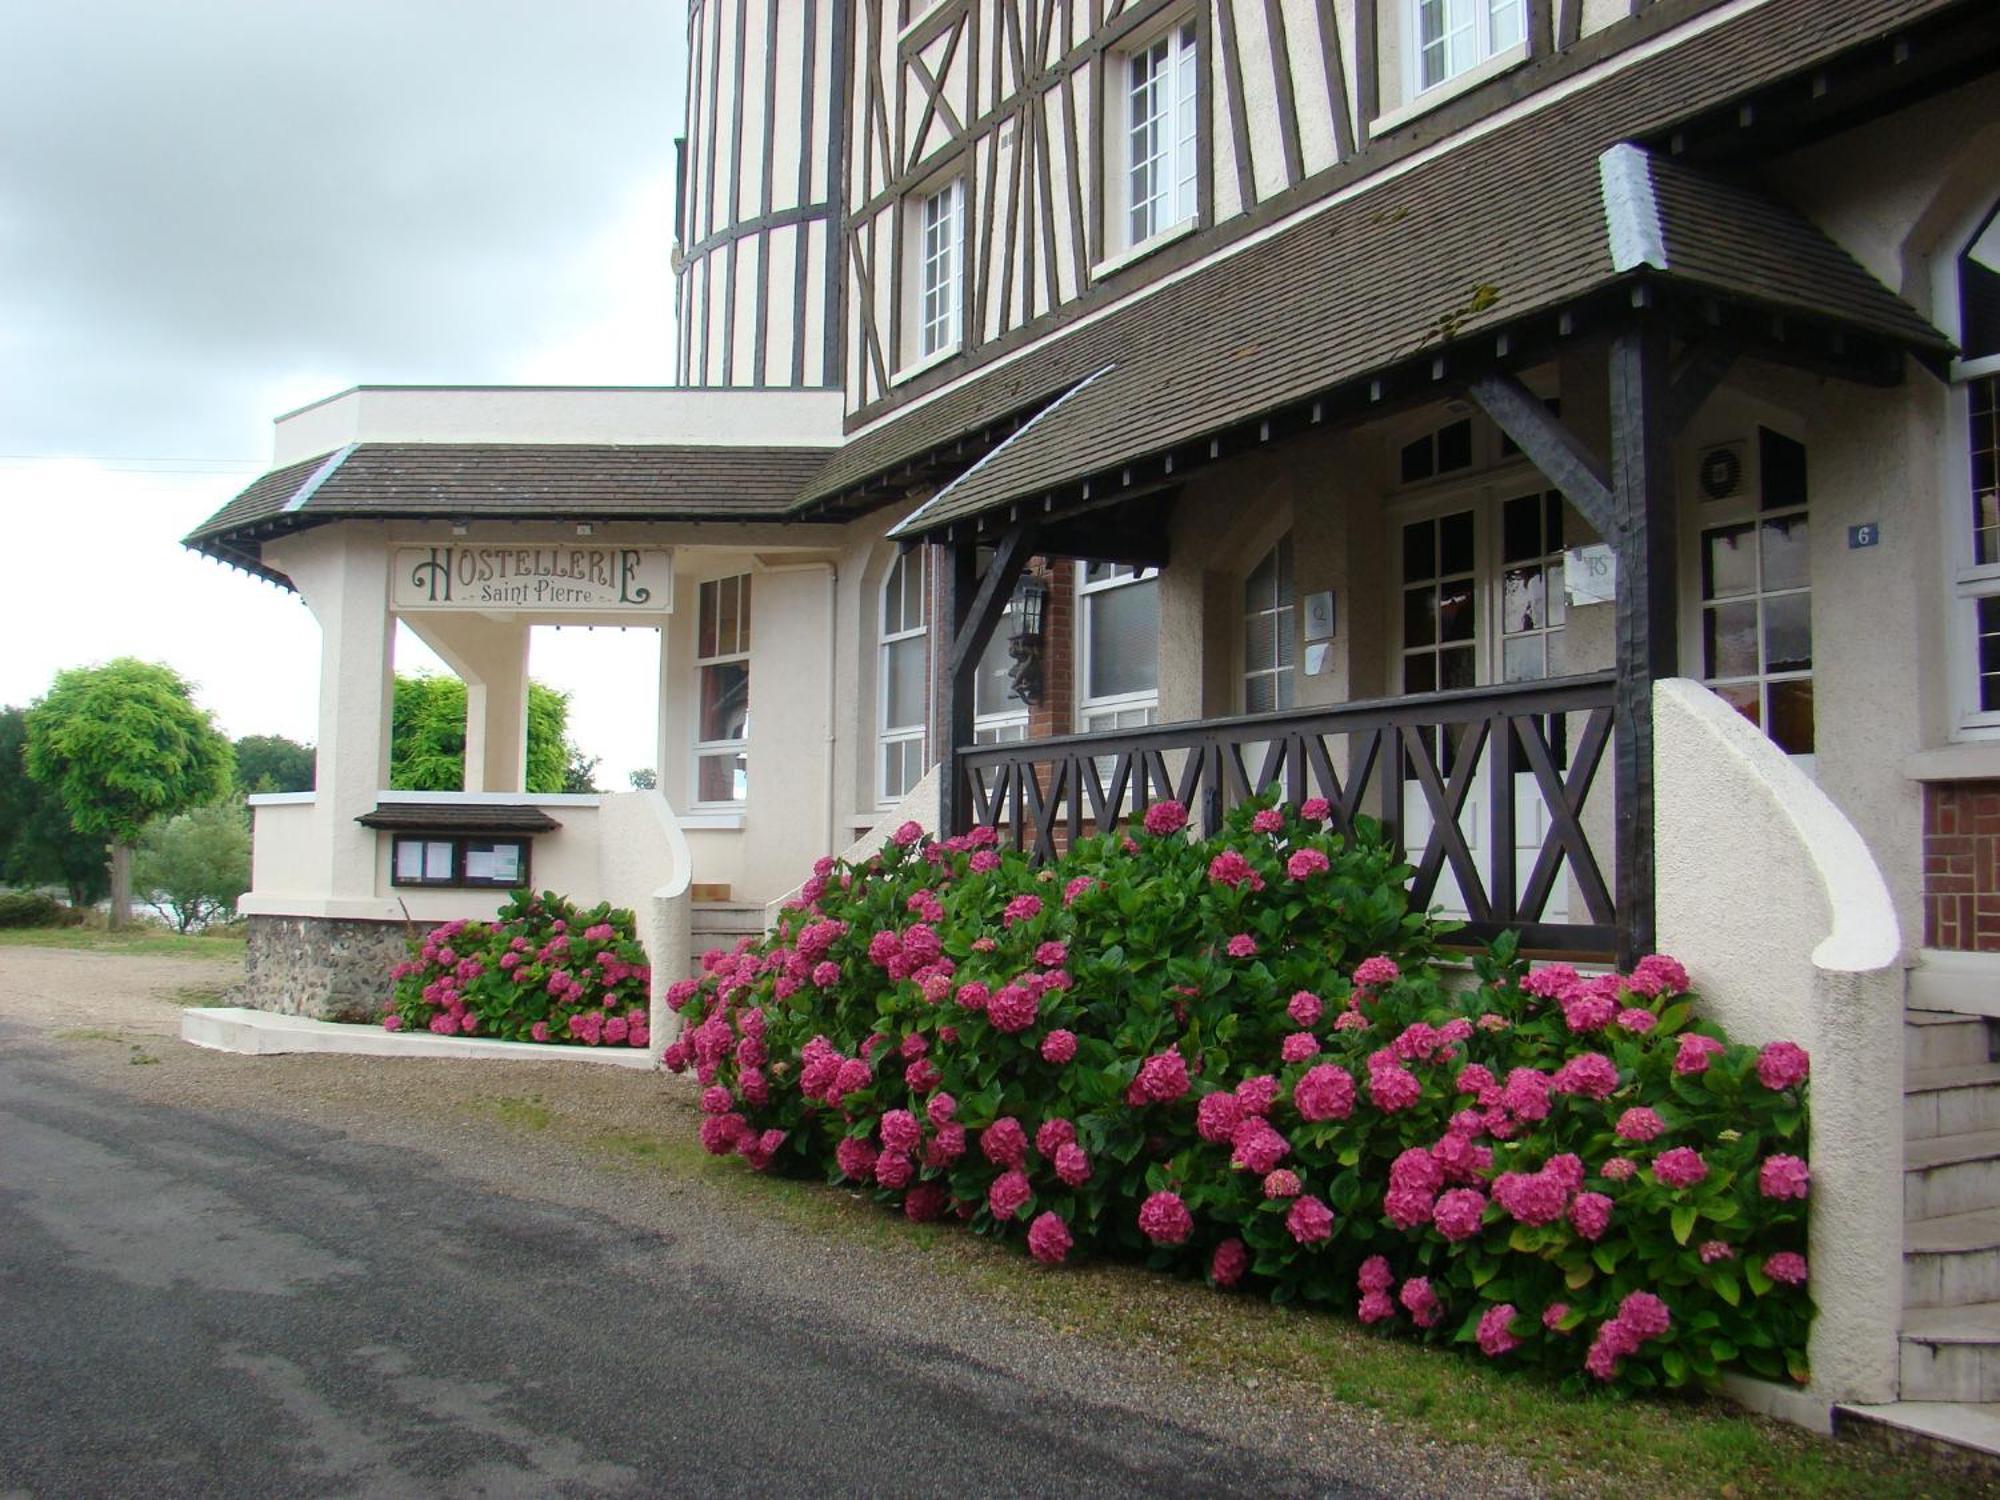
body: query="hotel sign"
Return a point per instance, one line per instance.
(558, 580)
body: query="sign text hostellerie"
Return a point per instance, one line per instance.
(572, 578)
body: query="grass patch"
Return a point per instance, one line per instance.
(1690, 1445)
(142, 940)
(89, 1034)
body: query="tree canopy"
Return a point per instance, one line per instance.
(38, 843)
(427, 738)
(197, 864)
(124, 743)
(273, 763)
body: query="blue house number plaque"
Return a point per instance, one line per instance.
(1867, 534)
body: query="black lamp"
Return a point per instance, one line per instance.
(1030, 608)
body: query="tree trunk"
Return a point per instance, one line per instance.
(121, 885)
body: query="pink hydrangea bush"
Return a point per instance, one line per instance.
(540, 971)
(1176, 1049)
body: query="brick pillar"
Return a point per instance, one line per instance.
(1055, 713)
(1962, 866)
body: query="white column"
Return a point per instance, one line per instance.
(491, 658)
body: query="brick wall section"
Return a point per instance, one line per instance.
(1055, 712)
(1962, 866)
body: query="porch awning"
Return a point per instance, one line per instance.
(458, 817)
(1419, 258)
(508, 481)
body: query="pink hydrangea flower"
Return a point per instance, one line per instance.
(1783, 1176)
(856, 1159)
(939, 1109)
(1076, 888)
(1662, 974)
(1010, 1190)
(983, 862)
(1715, 1250)
(1051, 955)
(1072, 1164)
(1531, 1197)
(1230, 868)
(908, 834)
(1049, 1238)
(1326, 1092)
(1216, 1117)
(1375, 1275)
(1782, 1065)
(1305, 1008)
(1590, 1074)
(1590, 1215)
(1420, 1301)
(1374, 1307)
(921, 1076)
(1525, 1095)
(1695, 1052)
(1619, 1168)
(716, 1101)
(1458, 1213)
(1164, 1218)
(925, 1202)
(1283, 1183)
(1639, 1124)
(1014, 1009)
(1298, 1046)
(1406, 1208)
(1496, 1335)
(1787, 1267)
(394, 1022)
(1310, 1221)
(1241, 946)
(1004, 1142)
(1163, 1077)
(1258, 1148)
(1350, 1020)
(894, 1169)
(946, 1147)
(1306, 863)
(1637, 1021)
(1681, 1167)
(1553, 1314)
(1646, 1315)
(1052, 1135)
(1059, 1046)
(1023, 908)
(1163, 818)
(1588, 1012)
(1376, 972)
(1255, 1095)
(1393, 1088)
(1613, 1342)
(1229, 1264)
(900, 1130)
(1475, 1079)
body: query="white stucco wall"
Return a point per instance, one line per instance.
(1772, 900)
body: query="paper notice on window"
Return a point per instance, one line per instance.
(1590, 574)
(492, 862)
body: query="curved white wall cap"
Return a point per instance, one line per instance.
(677, 845)
(1864, 934)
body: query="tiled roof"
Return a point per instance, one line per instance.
(514, 481)
(1452, 248)
(458, 817)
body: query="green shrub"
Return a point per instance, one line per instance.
(1244, 1057)
(31, 909)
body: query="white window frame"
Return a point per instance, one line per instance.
(739, 652)
(1284, 616)
(1168, 63)
(940, 231)
(1968, 581)
(893, 629)
(1113, 711)
(1461, 16)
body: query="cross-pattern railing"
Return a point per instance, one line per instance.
(1484, 790)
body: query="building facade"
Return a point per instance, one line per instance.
(1562, 430)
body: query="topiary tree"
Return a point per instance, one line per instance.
(196, 864)
(122, 744)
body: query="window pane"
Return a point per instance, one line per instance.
(1788, 633)
(1783, 545)
(1783, 462)
(437, 860)
(1729, 640)
(721, 778)
(1454, 446)
(1260, 693)
(495, 861)
(1457, 621)
(1457, 668)
(1522, 600)
(1983, 397)
(1420, 617)
(903, 695)
(1455, 543)
(1124, 639)
(1728, 564)
(1989, 654)
(409, 859)
(1420, 673)
(1745, 698)
(705, 635)
(1259, 643)
(1419, 551)
(1418, 461)
(1525, 658)
(725, 701)
(1521, 529)
(1791, 717)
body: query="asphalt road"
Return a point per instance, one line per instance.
(201, 1302)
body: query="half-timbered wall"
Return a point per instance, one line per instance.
(758, 286)
(1025, 101)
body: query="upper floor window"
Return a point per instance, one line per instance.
(722, 685)
(1976, 375)
(902, 691)
(1268, 628)
(1120, 632)
(1160, 95)
(942, 253)
(1451, 37)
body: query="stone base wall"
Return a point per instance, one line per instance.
(326, 968)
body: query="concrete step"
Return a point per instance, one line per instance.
(1952, 1260)
(1967, 1433)
(1945, 1039)
(1951, 1101)
(1951, 1174)
(736, 917)
(1952, 1353)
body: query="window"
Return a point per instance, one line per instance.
(437, 859)
(1532, 604)
(1160, 98)
(1445, 451)
(1976, 377)
(1450, 37)
(1440, 603)
(1268, 631)
(1756, 600)
(722, 672)
(1119, 625)
(903, 687)
(942, 254)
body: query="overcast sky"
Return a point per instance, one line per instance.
(212, 211)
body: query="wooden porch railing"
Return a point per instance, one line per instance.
(1447, 775)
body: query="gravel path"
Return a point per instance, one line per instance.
(738, 1324)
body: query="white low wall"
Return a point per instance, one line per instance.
(626, 848)
(1770, 897)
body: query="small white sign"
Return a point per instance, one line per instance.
(1590, 574)
(1319, 617)
(1317, 655)
(534, 579)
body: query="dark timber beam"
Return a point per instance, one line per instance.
(1648, 617)
(1701, 372)
(1563, 458)
(970, 607)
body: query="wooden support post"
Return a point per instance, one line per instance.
(1643, 506)
(971, 605)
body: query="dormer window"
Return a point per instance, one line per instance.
(1452, 37)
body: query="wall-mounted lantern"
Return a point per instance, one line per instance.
(1030, 610)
